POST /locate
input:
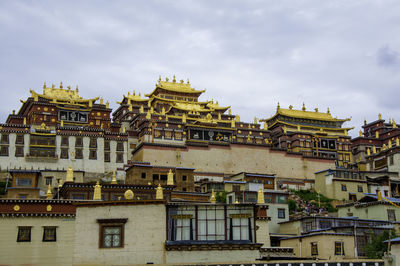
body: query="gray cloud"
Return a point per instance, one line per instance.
(247, 54)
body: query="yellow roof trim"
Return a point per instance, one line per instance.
(306, 115)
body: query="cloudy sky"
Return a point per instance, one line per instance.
(247, 54)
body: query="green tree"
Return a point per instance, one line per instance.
(220, 196)
(377, 247)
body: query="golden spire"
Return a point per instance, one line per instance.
(390, 144)
(170, 178)
(107, 105)
(101, 100)
(361, 134)
(163, 111)
(174, 79)
(304, 107)
(384, 147)
(373, 149)
(379, 195)
(394, 123)
(277, 108)
(380, 116)
(265, 125)
(397, 141)
(219, 116)
(188, 81)
(212, 198)
(148, 115)
(130, 108)
(114, 179)
(97, 191)
(129, 194)
(290, 107)
(141, 109)
(24, 120)
(232, 123)
(237, 118)
(377, 134)
(70, 175)
(44, 85)
(62, 123)
(316, 110)
(284, 129)
(368, 152)
(159, 78)
(60, 184)
(365, 121)
(184, 118)
(260, 196)
(328, 111)
(61, 85)
(255, 120)
(159, 193)
(49, 195)
(230, 111)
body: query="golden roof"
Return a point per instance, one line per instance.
(61, 94)
(306, 115)
(174, 86)
(134, 98)
(191, 107)
(215, 106)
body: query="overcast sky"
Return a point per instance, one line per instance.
(247, 54)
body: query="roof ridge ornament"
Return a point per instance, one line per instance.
(304, 107)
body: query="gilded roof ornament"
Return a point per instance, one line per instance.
(316, 110)
(44, 85)
(129, 194)
(212, 198)
(61, 85)
(290, 107)
(365, 121)
(70, 175)
(394, 123)
(159, 192)
(97, 191)
(278, 107)
(304, 107)
(170, 178)
(390, 144)
(49, 194)
(368, 152)
(397, 142)
(174, 79)
(361, 134)
(373, 149)
(260, 196)
(380, 116)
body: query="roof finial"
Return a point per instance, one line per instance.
(212, 198)
(394, 123)
(97, 191)
(380, 116)
(159, 192)
(70, 175)
(328, 111)
(277, 108)
(49, 195)
(365, 121)
(170, 178)
(174, 79)
(114, 179)
(44, 85)
(290, 107)
(188, 81)
(361, 133)
(316, 110)
(159, 78)
(77, 90)
(304, 107)
(61, 86)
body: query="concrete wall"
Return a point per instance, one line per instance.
(273, 213)
(211, 256)
(144, 235)
(373, 212)
(326, 246)
(290, 228)
(36, 252)
(233, 159)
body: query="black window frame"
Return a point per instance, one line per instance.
(27, 229)
(52, 237)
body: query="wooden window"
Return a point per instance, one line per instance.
(281, 214)
(120, 146)
(344, 187)
(78, 142)
(24, 234)
(111, 233)
(49, 234)
(314, 249)
(4, 151)
(93, 143)
(64, 153)
(64, 141)
(49, 180)
(107, 157)
(391, 215)
(4, 138)
(78, 154)
(92, 154)
(19, 139)
(19, 151)
(23, 182)
(106, 145)
(120, 158)
(339, 248)
(144, 175)
(184, 178)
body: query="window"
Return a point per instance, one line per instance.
(359, 188)
(184, 178)
(156, 177)
(93, 143)
(23, 182)
(344, 188)
(24, 234)
(4, 138)
(49, 180)
(64, 141)
(49, 234)
(78, 142)
(78, 154)
(281, 213)
(281, 199)
(107, 157)
(211, 223)
(93, 154)
(144, 175)
(120, 158)
(391, 215)
(339, 248)
(19, 139)
(314, 249)
(165, 177)
(120, 146)
(4, 151)
(64, 153)
(19, 151)
(111, 233)
(106, 145)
